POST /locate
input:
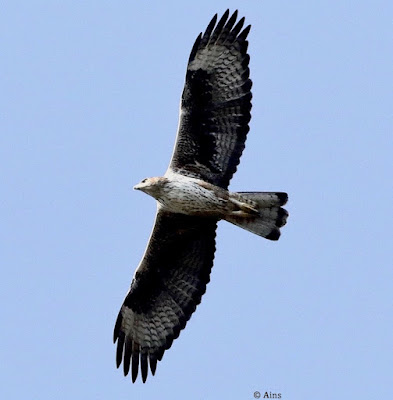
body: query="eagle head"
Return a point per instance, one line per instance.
(151, 186)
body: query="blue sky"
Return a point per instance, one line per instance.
(89, 107)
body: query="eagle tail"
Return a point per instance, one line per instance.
(267, 216)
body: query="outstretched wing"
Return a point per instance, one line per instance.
(165, 290)
(216, 103)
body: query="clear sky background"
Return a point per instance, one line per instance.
(89, 106)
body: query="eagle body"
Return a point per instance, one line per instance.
(182, 194)
(193, 196)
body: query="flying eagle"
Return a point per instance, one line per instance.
(193, 196)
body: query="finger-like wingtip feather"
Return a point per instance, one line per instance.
(219, 27)
(135, 363)
(153, 363)
(244, 33)
(116, 330)
(231, 21)
(127, 356)
(235, 31)
(144, 366)
(209, 30)
(119, 350)
(195, 47)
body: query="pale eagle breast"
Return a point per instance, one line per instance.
(186, 195)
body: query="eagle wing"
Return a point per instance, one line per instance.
(215, 104)
(165, 290)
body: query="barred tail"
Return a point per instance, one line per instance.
(268, 217)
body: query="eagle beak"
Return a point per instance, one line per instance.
(141, 185)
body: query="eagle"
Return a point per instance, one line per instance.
(193, 196)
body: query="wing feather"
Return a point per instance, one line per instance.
(216, 103)
(217, 31)
(166, 288)
(208, 31)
